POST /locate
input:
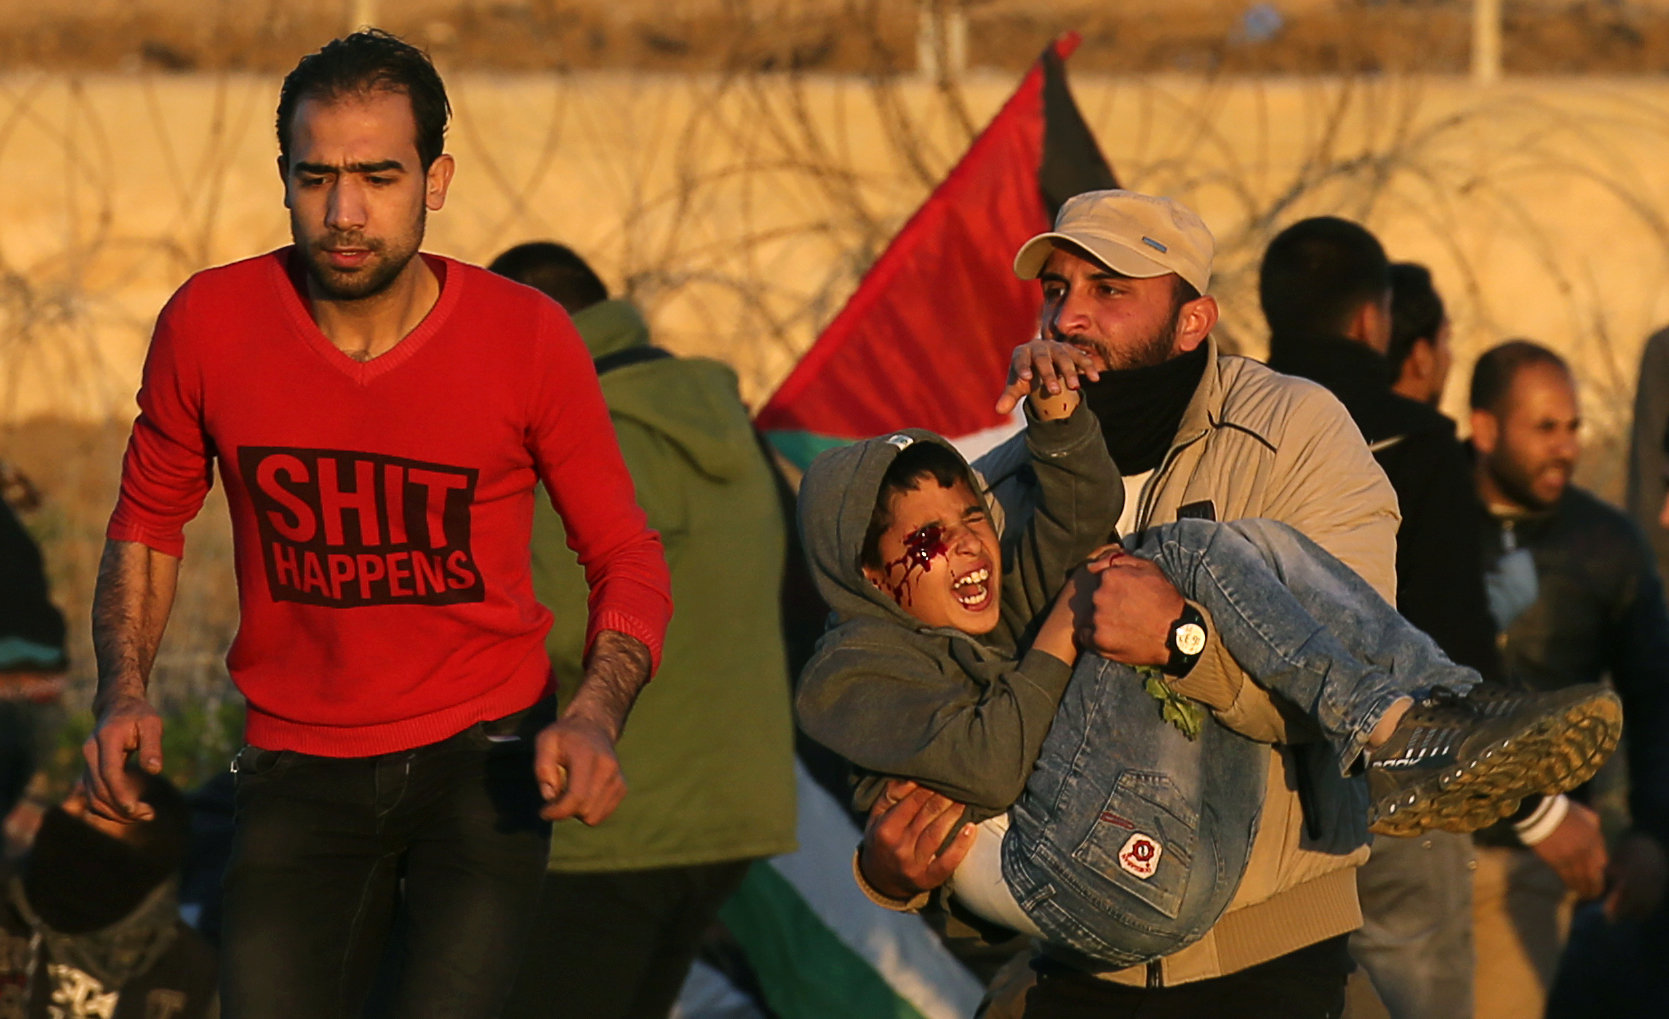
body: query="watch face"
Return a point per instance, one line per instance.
(1190, 638)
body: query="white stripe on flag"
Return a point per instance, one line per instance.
(899, 945)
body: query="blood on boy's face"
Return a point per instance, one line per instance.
(939, 558)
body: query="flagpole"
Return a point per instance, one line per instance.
(1486, 42)
(941, 39)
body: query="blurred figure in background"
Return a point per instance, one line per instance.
(1419, 351)
(710, 748)
(32, 657)
(1573, 590)
(1326, 289)
(1648, 449)
(91, 919)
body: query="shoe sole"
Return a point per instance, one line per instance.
(1552, 754)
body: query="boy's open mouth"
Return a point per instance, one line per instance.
(972, 589)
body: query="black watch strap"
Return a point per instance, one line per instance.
(1185, 641)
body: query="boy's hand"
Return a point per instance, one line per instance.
(1044, 368)
(1133, 608)
(900, 854)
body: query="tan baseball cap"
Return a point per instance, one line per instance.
(1131, 234)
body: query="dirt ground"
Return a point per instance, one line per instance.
(843, 36)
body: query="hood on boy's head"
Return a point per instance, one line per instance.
(837, 500)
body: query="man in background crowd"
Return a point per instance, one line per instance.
(91, 921)
(1420, 353)
(32, 655)
(710, 748)
(1573, 589)
(1648, 448)
(1326, 289)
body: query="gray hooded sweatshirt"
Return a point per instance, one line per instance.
(963, 715)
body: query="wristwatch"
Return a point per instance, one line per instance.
(1185, 641)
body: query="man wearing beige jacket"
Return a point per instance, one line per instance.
(1197, 434)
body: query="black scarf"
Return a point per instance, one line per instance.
(1141, 408)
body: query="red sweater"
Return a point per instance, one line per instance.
(381, 510)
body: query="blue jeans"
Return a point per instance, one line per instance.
(1416, 937)
(1130, 839)
(328, 851)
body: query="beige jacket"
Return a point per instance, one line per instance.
(1255, 443)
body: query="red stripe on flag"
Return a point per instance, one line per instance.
(926, 337)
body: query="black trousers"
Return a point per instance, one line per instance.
(1306, 984)
(327, 851)
(618, 944)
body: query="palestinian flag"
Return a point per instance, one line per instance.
(925, 340)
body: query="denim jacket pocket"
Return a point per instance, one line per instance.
(1144, 841)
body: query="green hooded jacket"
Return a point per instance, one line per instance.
(708, 749)
(963, 715)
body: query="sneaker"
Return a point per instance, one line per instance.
(1462, 763)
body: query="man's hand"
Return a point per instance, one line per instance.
(573, 759)
(1044, 366)
(900, 856)
(1133, 608)
(1636, 878)
(127, 726)
(578, 774)
(1576, 852)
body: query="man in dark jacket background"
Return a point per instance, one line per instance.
(32, 656)
(1420, 352)
(1574, 590)
(1325, 285)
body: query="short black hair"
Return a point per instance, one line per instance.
(1318, 273)
(368, 61)
(1416, 311)
(1493, 375)
(914, 464)
(554, 269)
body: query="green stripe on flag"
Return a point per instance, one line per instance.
(801, 448)
(804, 969)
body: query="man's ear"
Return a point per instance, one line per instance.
(1419, 369)
(1194, 322)
(437, 180)
(1421, 362)
(1486, 431)
(1371, 326)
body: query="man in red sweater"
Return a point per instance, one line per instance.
(379, 418)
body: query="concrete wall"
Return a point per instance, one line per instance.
(741, 211)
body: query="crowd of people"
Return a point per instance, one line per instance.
(1234, 689)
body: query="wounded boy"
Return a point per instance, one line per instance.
(949, 659)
